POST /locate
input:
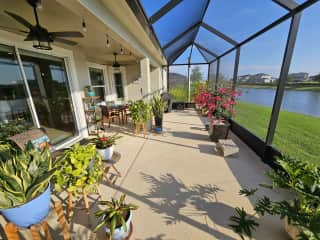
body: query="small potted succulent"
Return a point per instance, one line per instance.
(25, 184)
(301, 214)
(116, 218)
(89, 91)
(104, 145)
(158, 107)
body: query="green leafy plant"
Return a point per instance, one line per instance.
(23, 174)
(303, 180)
(243, 224)
(140, 111)
(114, 215)
(12, 127)
(79, 167)
(158, 106)
(102, 142)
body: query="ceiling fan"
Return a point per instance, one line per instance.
(115, 65)
(39, 35)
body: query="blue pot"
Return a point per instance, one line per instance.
(158, 129)
(31, 212)
(90, 93)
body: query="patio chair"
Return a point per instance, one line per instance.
(109, 114)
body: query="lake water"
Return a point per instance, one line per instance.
(305, 102)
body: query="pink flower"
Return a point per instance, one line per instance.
(222, 90)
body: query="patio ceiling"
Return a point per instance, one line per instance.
(68, 15)
(212, 27)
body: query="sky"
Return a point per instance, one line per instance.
(238, 20)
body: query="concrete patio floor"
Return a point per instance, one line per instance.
(183, 189)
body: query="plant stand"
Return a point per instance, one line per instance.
(140, 126)
(226, 147)
(12, 231)
(85, 201)
(111, 164)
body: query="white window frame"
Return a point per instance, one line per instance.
(123, 72)
(105, 79)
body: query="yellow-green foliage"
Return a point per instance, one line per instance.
(79, 167)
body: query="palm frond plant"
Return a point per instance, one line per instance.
(158, 107)
(302, 179)
(116, 216)
(24, 176)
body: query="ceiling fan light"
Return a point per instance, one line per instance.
(43, 45)
(108, 43)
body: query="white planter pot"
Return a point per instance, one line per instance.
(292, 230)
(119, 233)
(106, 153)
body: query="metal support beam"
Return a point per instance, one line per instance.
(184, 64)
(219, 34)
(206, 50)
(217, 73)
(164, 10)
(177, 38)
(236, 67)
(294, 27)
(177, 53)
(204, 57)
(202, 17)
(287, 4)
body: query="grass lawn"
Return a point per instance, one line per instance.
(297, 134)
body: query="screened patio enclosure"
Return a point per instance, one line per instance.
(266, 49)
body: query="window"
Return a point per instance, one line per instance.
(119, 85)
(97, 82)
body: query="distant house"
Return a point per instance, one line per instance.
(315, 78)
(176, 79)
(299, 77)
(256, 78)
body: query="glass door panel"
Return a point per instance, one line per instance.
(13, 96)
(48, 83)
(119, 85)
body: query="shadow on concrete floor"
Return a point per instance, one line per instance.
(181, 203)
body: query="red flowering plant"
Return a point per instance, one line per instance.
(103, 142)
(219, 104)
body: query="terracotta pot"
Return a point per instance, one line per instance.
(218, 130)
(292, 230)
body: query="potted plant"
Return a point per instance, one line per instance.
(158, 106)
(89, 91)
(25, 184)
(219, 107)
(80, 170)
(140, 113)
(104, 145)
(301, 214)
(116, 218)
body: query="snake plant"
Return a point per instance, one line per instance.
(158, 105)
(79, 167)
(113, 216)
(23, 174)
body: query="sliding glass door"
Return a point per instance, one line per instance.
(47, 80)
(35, 88)
(14, 102)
